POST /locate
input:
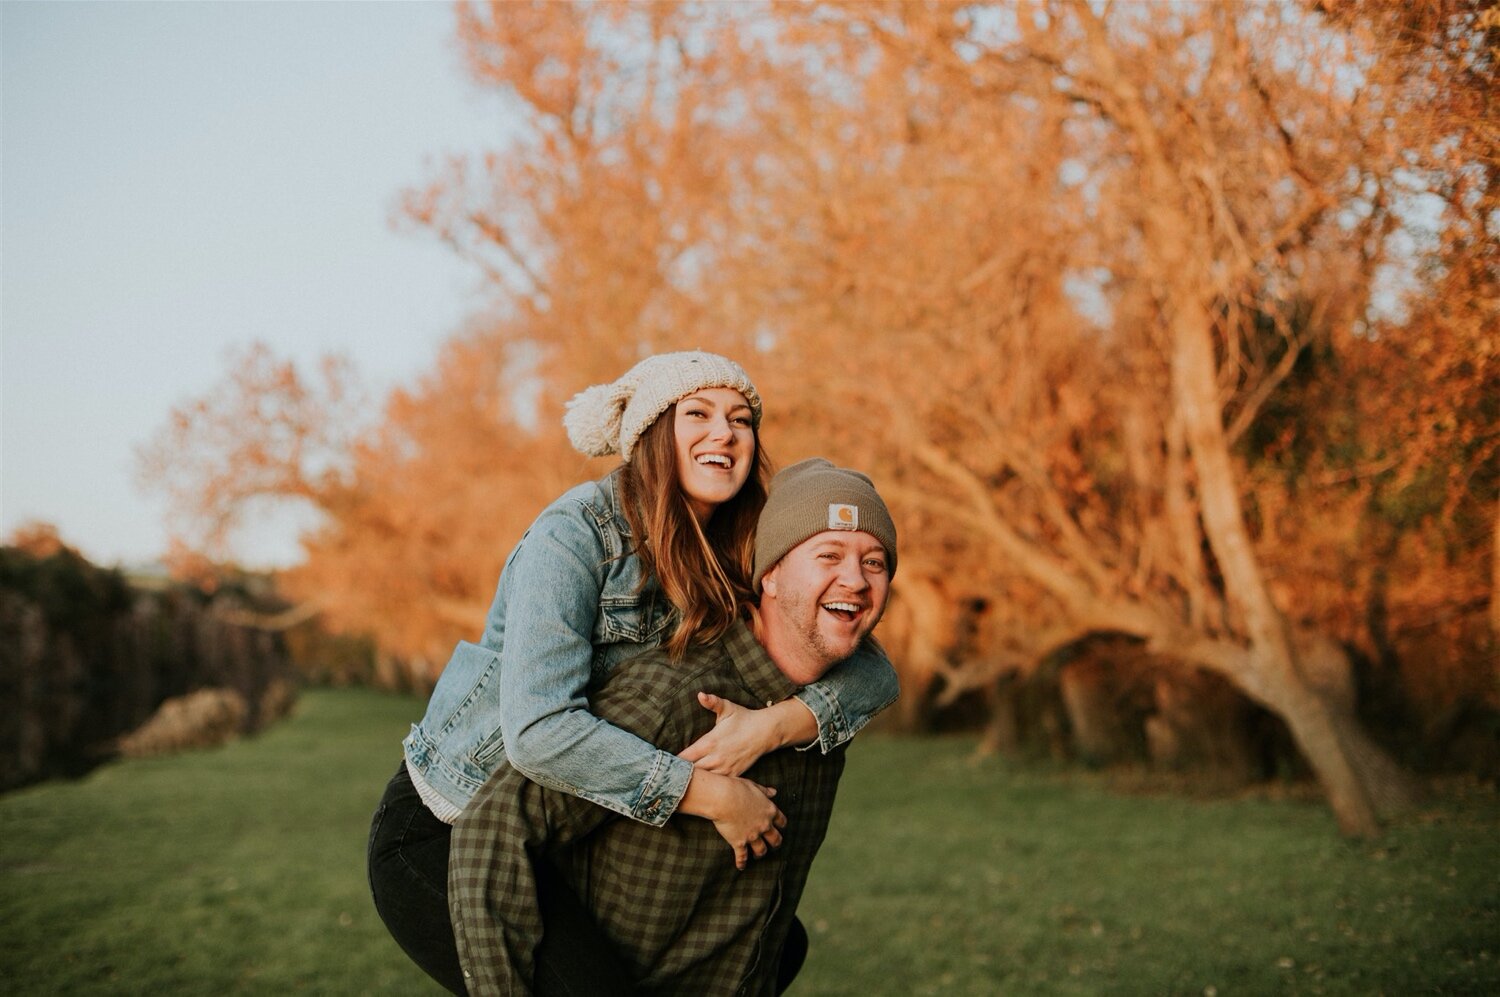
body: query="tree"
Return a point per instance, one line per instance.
(1070, 279)
(1209, 161)
(265, 432)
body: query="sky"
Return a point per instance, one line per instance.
(179, 180)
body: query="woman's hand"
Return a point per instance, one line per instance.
(741, 810)
(740, 736)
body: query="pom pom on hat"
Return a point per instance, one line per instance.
(592, 420)
(609, 418)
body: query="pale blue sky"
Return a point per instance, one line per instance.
(182, 178)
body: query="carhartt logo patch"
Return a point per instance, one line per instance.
(843, 517)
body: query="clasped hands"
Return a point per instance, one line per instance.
(741, 809)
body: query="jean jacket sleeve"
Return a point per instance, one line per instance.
(554, 583)
(851, 694)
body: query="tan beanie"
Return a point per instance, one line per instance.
(812, 496)
(609, 418)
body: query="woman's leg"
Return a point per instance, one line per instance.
(408, 867)
(575, 959)
(793, 954)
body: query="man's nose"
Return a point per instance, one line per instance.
(852, 575)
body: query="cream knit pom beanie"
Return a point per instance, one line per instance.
(609, 418)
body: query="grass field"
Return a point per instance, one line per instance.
(241, 870)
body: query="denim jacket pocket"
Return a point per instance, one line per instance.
(634, 619)
(470, 671)
(488, 749)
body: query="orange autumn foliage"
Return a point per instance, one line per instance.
(1132, 311)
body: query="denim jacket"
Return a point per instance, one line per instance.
(574, 608)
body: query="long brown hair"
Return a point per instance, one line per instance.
(703, 571)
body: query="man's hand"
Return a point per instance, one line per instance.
(740, 736)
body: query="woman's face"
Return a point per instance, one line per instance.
(715, 447)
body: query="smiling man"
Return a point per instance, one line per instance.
(671, 902)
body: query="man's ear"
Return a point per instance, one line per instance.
(768, 582)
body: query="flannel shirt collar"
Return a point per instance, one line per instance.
(765, 681)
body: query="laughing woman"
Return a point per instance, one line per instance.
(657, 551)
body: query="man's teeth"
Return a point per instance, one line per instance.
(715, 458)
(847, 607)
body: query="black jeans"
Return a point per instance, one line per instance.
(408, 869)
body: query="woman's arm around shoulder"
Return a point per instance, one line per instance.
(851, 694)
(827, 713)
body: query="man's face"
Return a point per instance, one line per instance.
(826, 594)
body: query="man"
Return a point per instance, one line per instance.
(669, 900)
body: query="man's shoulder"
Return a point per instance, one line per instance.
(655, 697)
(656, 674)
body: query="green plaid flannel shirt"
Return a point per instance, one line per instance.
(669, 898)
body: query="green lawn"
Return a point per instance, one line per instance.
(242, 870)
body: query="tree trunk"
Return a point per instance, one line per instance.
(1178, 232)
(1199, 723)
(1390, 787)
(1002, 735)
(1495, 578)
(1344, 764)
(1363, 783)
(917, 629)
(1093, 711)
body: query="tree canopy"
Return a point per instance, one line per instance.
(1174, 322)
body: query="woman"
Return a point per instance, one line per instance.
(657, 551)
